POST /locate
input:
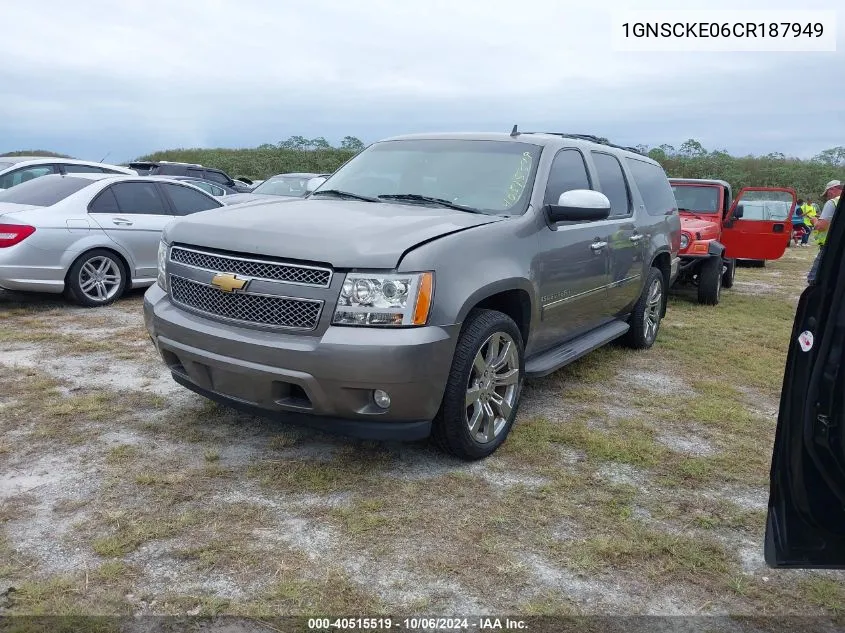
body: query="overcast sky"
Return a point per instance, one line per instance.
(97, 76)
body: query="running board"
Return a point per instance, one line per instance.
(557, 357)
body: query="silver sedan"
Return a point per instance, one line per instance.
(91, 236)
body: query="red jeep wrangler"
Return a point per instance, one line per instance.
(717, 230)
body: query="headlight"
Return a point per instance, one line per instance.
(385, 299)
(684, 241)
(162, 263)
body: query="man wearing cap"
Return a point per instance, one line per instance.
(832, 191)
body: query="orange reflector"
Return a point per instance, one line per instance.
(699, 248)
(424, 295)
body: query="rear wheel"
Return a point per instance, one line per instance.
(97, 278)
(710, 281)
(729, 274)
(484, 387)
(647, 313)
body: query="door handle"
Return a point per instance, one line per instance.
(597, 246)
(636, 238)
(121, 222)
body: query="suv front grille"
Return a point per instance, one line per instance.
(257, 269)
(282, 312)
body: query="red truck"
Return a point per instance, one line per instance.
(718, 229)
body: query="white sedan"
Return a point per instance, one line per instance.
(15, 170)
(91, 236)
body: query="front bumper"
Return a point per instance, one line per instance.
(322, 381)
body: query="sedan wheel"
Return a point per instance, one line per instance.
(97, 278)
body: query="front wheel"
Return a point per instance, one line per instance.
(647, 313)
(484, 387)
(710, 281)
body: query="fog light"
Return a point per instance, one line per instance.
(381, 398)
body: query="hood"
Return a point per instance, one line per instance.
(342, 233)
(239, 198)
(702, 223)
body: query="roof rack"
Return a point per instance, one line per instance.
(584, 137)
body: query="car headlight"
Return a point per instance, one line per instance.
(684, 241)
(162, 264)
(385, 299)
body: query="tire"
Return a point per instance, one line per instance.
(82, 290)
(453, 427)
(730, 274)
(647, 313)
(710, 281)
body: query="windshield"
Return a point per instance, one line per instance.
(45, 191)
(283, 186)
(491, 176)
(697, 198)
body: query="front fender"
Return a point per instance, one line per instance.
(716, 248)
(474, 264)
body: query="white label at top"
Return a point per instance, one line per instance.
(724, 31)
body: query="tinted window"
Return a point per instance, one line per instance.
(139, 197)
(196, 173)
(283, 186)
(654, 187)
(104, 203)
(216, 176)
(186, 200)
(24, 174)
(612, 183)
(45, 192)
(568, 172)
(82, 169)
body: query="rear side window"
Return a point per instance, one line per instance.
(568, 172)
(186, 200)
(104, 203)
(193, 172)
(139, 197)
(44, 192)
(612, 184)
(654, 187)
(82, 169)
(24, 174)
(216, 176)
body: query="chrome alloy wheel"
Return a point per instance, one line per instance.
(654, 304)
(493, 387)
(100, 278)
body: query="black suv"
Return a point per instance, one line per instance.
(167, 168)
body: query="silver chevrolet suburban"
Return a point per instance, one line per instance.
(412, 292)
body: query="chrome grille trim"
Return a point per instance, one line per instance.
(297, 274)
(246, 308)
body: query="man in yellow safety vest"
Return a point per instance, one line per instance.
(832, 191)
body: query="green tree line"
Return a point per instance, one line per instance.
(689, 160)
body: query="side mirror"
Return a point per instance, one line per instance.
(312, 184)
(580, 205)
(738, 212)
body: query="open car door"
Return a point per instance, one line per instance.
(759, 223)
(806, 517)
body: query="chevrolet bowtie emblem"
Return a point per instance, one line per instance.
(227, 282)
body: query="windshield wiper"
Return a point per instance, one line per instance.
(415, 197)
(345, 194)
(693, 213)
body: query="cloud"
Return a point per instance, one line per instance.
(134, 77)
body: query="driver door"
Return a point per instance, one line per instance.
(759, 223)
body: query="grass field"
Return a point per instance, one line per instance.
(633, 483)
